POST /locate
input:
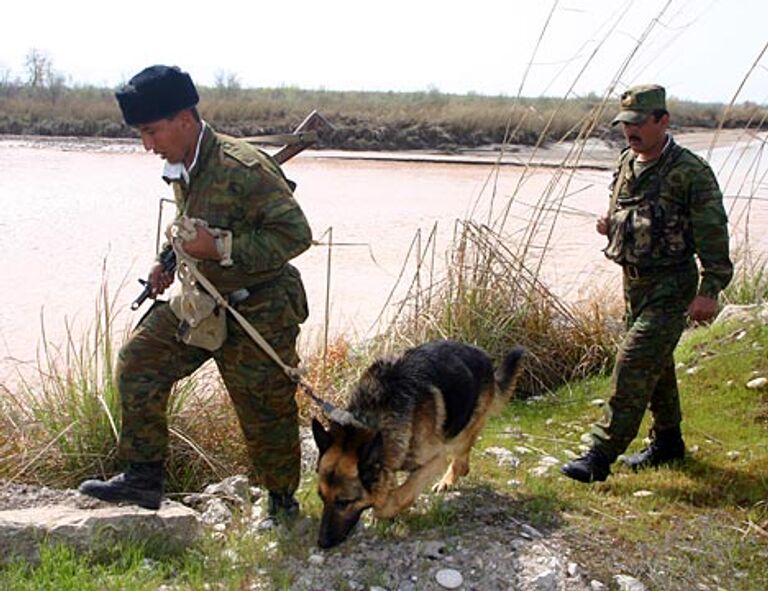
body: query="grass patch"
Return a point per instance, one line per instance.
(700, 525)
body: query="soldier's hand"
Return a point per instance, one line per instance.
(203, 246)
(159, 279)
(602, 225)
(702, 309)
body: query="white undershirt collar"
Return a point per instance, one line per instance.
(177, 171)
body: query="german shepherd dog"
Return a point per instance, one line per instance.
(410, 414)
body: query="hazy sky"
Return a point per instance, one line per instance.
(699, 49)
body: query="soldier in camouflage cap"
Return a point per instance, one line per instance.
(666, 211)
(236, 188)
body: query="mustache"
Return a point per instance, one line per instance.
(634, 137)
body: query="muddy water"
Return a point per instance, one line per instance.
(76, 215)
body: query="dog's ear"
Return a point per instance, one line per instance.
(323, 438)
(370, 461)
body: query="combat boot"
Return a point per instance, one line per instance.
(591, 467)
(141, 484)
(282, 508)
(666, 447)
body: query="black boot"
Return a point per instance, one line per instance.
(141, 484)
(591, 467)
(666, 447)
(281, 508)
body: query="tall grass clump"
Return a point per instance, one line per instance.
(61, 424)
(750, 279)
(491, 298)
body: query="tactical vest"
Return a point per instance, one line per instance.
(649, 225)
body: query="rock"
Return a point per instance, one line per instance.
(539, 471)
(545, 581)
(573, 569)
(627, 583)
(216, 512)
(433, 549)
(642, 493)
(757, 383)
(316, 559)
(503, 457)
(528, 531)
(22, 530)
(235, 490)
(596, 585)
(449, 578)
(733, 455)
(743, 313)
(597, 402)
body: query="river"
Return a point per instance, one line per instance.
(77, 214)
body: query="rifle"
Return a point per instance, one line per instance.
(305, 135)
(168, 260)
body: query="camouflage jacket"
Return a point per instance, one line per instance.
(237, 187)
(672, 211)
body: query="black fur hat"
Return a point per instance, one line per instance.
(155, 93)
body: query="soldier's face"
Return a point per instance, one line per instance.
(646, 138)
(168, 138)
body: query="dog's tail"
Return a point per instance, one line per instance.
(508, 372)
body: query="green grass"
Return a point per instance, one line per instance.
(705, 519)
(704, 524)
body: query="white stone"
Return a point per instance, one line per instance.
(530, 531)
(733, 455)
(597, 402)
(449, 578)
(642, 493)
(216, 512)
(596, 585)
(22, 530)
(545, 581)
(757, 383)
(741, 313)
(573, 569)
(627, 583)
(503, 456)
(692, 370)
(316, 559)
(539, 471)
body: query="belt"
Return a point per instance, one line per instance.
(635, 273)
(242, 294)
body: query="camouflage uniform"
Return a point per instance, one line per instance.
(236, 187)
(657, 222)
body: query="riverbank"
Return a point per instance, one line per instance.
(592, 153)
(363, 121)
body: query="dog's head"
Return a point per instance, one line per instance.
(351, 459)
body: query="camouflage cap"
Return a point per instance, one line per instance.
(640, 101)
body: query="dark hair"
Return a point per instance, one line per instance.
(193, 110)
(658, 114)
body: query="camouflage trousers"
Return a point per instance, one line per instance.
(263, 396)
(644, 373)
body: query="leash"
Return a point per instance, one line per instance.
(333, 413)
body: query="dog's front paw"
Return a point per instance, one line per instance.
(444, 485)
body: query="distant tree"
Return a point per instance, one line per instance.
(39, 68)
(42, 76)
(226, 81)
